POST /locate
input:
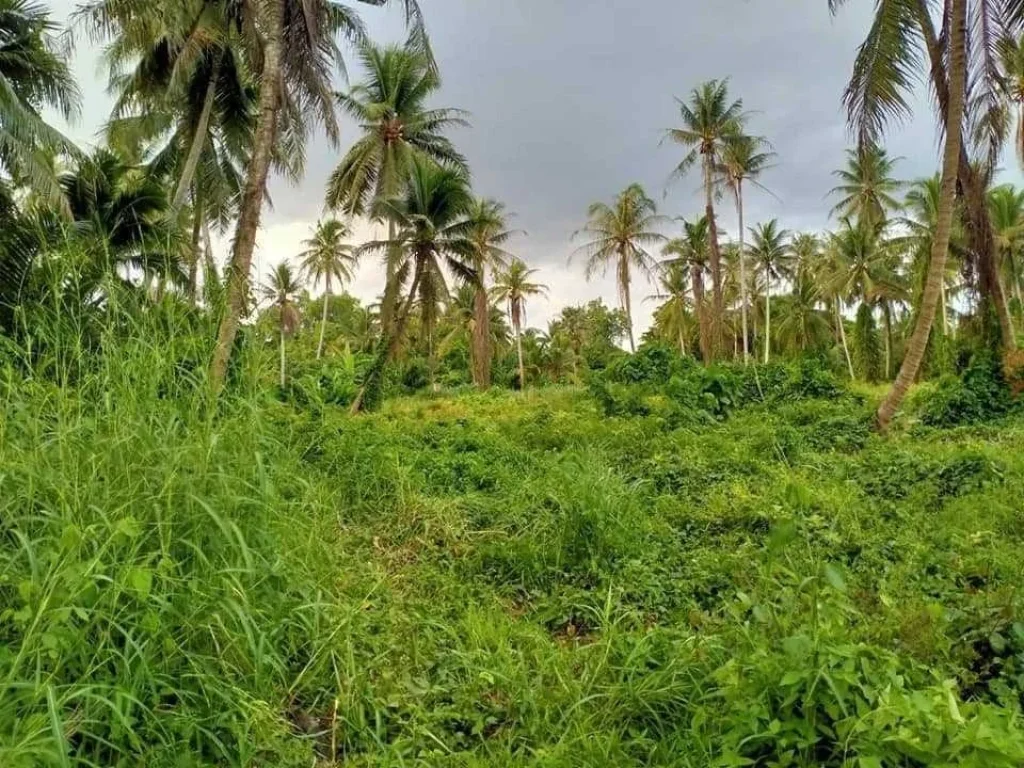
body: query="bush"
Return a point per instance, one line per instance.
(979, 394)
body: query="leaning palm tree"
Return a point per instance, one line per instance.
(691, 252)
(867, 189)
(390, 107)
(296, 42)
(33, 76)
(513, 286)
(771, 253)
(489, 232)
(328, 257)
(620, 234)
(710, 123)
(743, 159)
(281, 289)
(432, 229)
(885, 73)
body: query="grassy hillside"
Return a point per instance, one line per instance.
(498, 580)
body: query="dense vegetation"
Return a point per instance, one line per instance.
(532, 547)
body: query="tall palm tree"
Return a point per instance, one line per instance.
(710, 122)
(621, 233)
(691, 252)
(296, 41)
(390, 106)
(489, 232)
(940, 245)
(328, 257)
(281, 289)
(885, 73)
(33, 75)
(514, 286)
(432, 229)
(866, 190)
(743, 159)
(771, 253)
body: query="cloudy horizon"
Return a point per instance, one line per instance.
(569, 104)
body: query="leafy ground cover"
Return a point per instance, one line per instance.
(700, 572)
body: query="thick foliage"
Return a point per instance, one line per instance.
(498, 579)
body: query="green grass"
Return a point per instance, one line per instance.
(496, 580)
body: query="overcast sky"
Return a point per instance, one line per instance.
(570, 100)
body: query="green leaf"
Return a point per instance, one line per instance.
(141, 581)
(834, 576)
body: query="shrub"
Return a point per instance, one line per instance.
(980, 394)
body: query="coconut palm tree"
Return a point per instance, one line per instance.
(432, 229)
(803, 324)
(390, 106)
(328, 257)
(296, 42)
(621, 233)
(710, 122)
(282, 289)
(672, 316)
(866, 190)
(691, 252)
(489, 232)
(1007, 211)
(33, 76)
(514, 286)
(743, 159)
(771, 254)
(884, 75)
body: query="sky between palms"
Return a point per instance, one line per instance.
(569, 101)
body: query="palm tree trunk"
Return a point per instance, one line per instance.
(481, 336)
(888, 352)
(252, 198)
(682, 339)
(842, 338)
(211, 280)
(700, 305)
(199, 137)
(718, 315)
(743, 275)
(390, 298)
(390, 342)
(945, 311)
(193, 262)
(323, 319)
(767, 315)
(282, 355)
(519, 353)
(624, 299)
(918, 343)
